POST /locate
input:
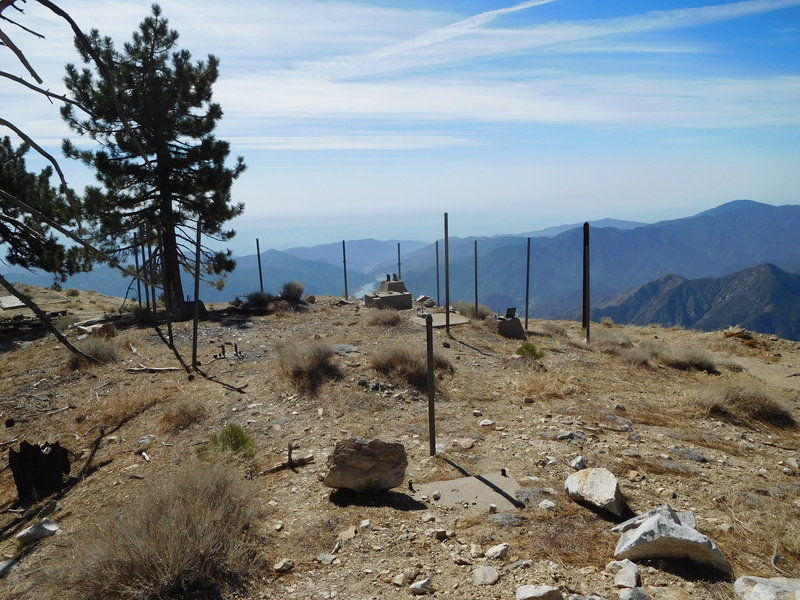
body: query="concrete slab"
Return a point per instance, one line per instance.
(439, 319)
(9, 302)
(476, 492)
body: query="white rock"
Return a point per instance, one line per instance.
(38, 531)
(660, 537)
(682, 517)
(422, 587)
(475, 550)
(628, 575)
(763, 588)
(485, 575)
(633, 594)
(486, 423)
(596, 487)
(498, 551)
(547, 505)
(283, 565)
(578, 463)
(538, 592)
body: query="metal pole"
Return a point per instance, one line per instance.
(399, 271)
(438, 298)
(138, 281)
(260, 276)
(431, 386)
(344, 267)
(475, 253)
(527, 283)
(586, 305)
(196, 316)
(446, 277)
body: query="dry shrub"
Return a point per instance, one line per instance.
(611, 342)
(410, 365)
(72, 292)
(100, 348)
(553, 329)
(384, 318)
(689, 359)
(292, 291)
(745, 401)
(606, 321)
(554, 535)
(309, 366)
(183, 416)
(259, 300)
(635, 357)
(547, 385)
(468, 310)
(189, 537)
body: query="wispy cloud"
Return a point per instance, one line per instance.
(349, 142)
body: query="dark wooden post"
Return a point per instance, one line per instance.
(431, 386)
(475, 254)
(527, 283)
(438, 297)
(399, 270)
(344, 268)
(586, 304)
(196, 314)
(446, 277)
(260, 276)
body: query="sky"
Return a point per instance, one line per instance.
(371, 118)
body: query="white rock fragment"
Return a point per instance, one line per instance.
(538, 592)
(767, 588)
(485, 575)
(421, 587)
(37, 531)
(596, 487)
(498, 551)
(284, 565)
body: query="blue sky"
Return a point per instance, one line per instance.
(370, 119)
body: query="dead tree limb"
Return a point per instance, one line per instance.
(62, 98)
(42, 316)
(290, 463)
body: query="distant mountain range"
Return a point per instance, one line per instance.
(762, 298)
(714, 244)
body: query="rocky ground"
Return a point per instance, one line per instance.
(623, 403)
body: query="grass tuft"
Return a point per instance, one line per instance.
(233, 438)
(309, 366)
(409, 365)
(384, 318)
(100, 348)
(190, 537)
(746, 401)
(529, 351)
(468, 310)
(183, 416)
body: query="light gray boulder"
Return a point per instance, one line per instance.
(634, 594)
(485, 575)
(596, 487)
(681, 517)
(366, 466)
(34, 533)
(538, 592)
(661, 537)
(421, 587)
(767, 588)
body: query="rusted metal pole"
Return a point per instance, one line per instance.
(431, 386)
(438, 297)
(586, 304)
(196, 315)
(260, 276)
(344, 268)
(399, 270)
(475, 254)
(446, 277)
(527, 283)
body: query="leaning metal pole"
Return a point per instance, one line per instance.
(446, 277)
(344, 268)
(586, 305)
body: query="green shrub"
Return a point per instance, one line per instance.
(233, 438)
(309, 366)
(190, 536)
(292, 291)
(529, 351)
(468, 310)
(101, 348)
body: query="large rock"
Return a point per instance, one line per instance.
(661, 537)
(599, 488)
(366, 466)
(681, 517)
(538, 592)
(763, 588)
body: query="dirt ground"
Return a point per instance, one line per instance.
(624, 408)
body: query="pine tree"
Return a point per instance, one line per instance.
(171, 171)
(29, 242)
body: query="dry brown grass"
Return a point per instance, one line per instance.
(635, 357)
(189, 537)
(409, 365)
(183, 416)
(548, 384)
(103, 349)
(744, 401)
(468, 310)
(611, 342)
(683, 359)
(384, 318)
(309, 366)
(552, 329)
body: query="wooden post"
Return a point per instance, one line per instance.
(431, 386)
(446, 277)
(586, 304)
(196, 315)
(438, 297)
(260, 276)
(399, 270)
(136, 261)
(475, 254)
(151, 276)
(344, 268)
(527, 283)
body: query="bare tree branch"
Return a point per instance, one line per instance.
(13, 47)
(45, 92)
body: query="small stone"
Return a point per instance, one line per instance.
(547, 505)
(325, 559)
(477, 413)
(365, 524)
(437, 495)
(485, 575)
(596, 487)
(278, 526)
(634, 594)
(475, 551)
(520, 564)
(493, 508)
(146, 439)
(628, 575)
(486, 423)
(538, 592)
(498, 551)
(421, 587)
(464, 443)
(347, 534)
(528, 400)
(284, 565)
(42, 529)
(578, 463)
